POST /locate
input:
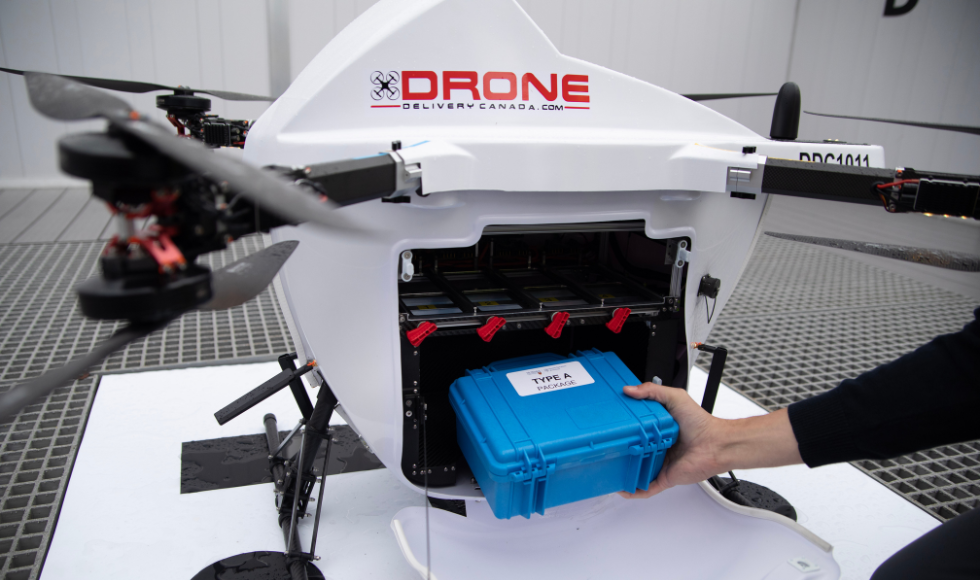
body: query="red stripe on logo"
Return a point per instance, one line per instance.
(385, 106)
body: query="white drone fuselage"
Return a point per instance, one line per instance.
(584, 144)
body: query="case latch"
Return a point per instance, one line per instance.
(535, 483)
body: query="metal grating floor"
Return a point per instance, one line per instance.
(41, 328)
(802, 319)
(39, 449)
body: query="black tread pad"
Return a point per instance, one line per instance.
(238, 461)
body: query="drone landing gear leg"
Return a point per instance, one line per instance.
(292, 472)
(294, 477)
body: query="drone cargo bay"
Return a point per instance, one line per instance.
(372, 305)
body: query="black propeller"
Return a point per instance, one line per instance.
(938, 258)
(715, 96)
(232, 285)
(63, 99)
(142, 87)
(240, 282)
(941, 126)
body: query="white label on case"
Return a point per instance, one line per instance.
(550, 378)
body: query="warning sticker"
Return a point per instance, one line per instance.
(550, 378)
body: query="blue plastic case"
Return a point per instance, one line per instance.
(546, 430)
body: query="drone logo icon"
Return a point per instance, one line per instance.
(385, 85)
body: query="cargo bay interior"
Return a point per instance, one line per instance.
(568, 281)
(801, 318)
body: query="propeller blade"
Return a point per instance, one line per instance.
(938, 258)
(715, 96)
(144, 87)
(262, 187)
(59, 98)
(941, 126)
(231, 96)
(243, 280)
(24, 394)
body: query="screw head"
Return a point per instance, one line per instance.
(408, 413)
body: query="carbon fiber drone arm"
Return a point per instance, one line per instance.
(898, 190)
(351, 181)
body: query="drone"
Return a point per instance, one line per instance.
(445, 211)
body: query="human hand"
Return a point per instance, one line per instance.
(707, 445)
(693, 457)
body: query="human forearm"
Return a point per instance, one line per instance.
(763, 441)
(925, 398)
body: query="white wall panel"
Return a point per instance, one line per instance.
(314, 23)
(244, 37)
(28, 43)
(11, 164)
(211, 61)
(921, 66)
(216, 44)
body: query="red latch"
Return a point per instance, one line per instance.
(618, 320)
(418, 335)
(558, 320)
(489, 329)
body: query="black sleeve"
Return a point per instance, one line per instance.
(928, 397)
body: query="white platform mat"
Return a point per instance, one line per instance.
(683, 533)
(124, 516)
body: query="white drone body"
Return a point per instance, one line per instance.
(605, 148)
